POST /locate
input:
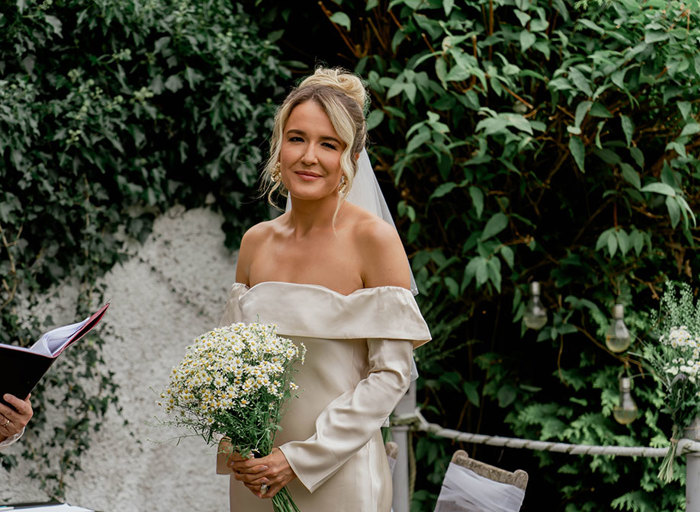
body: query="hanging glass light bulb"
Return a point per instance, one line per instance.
(535, 313)
(618, 337)
(627, 411)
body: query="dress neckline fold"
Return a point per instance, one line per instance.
(262, 284)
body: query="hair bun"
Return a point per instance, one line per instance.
(340, 79)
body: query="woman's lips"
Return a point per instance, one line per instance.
(307, 176)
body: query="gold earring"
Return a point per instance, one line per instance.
(343, 185)
(276, 174)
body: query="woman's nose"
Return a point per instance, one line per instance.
(309, 156)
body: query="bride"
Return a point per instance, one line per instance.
(334, 276)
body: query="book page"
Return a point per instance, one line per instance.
(53, 341)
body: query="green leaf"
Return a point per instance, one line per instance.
(637, 156)
(580, 81)
(506, 395)
(581, 110)
(374, 119)
(659, 188)
(685, 108)
(527, 39)
(674, 211)
(655, 37)
(508, 255)
(421, 138)
(612, 244)
(603, 239)
(523, 17)
(598, 110)
(342, 19)
(588, 23)
(55, 23)
(623, 241)
(495, 225)
(630, 175)
(443, 189)
(627, 128)
(690, 129)
(578, 152)
(477, 200)
(173, 83)
(471, 390)
(448, 5)
(452, 286)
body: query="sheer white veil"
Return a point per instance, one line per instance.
(367, 194)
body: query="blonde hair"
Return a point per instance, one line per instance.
(342, 96)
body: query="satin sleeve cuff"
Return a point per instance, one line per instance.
(7, 442)
(349, 421)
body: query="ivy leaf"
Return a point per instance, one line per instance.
(495, 225)
(690, 129)
(55, 24)
(341, 19)
(173, 83)
(527, 39)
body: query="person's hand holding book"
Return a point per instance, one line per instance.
(14, 419)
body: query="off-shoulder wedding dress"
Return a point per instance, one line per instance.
(357, 368)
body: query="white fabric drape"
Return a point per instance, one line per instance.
(465, 491)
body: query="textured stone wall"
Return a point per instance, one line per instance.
(172, 289)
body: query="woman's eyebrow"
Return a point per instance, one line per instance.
(294, 131)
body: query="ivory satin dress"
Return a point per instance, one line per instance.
(357, 368)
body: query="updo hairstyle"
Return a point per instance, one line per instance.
(342, 97)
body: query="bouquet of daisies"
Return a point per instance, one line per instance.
(675, 362)
(233, 382)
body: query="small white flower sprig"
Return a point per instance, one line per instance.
(675, 362)
(233, 381)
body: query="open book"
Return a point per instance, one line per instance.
(22, 368)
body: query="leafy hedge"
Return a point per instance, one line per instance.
(111, 111)
(534, 140)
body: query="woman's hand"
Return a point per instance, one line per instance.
(272, 471)
(12, 421)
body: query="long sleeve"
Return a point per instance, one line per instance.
(349, 421)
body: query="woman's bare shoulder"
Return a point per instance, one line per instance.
(252, 240)
(384, 261)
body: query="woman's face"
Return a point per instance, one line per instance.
(310, 153)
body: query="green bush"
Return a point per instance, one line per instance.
(535, 140)
(111, 111)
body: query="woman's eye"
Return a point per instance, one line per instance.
(329, 145)
(295, 139)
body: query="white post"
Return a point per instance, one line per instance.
(401, 501)
(692, 470)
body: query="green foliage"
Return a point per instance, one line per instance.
(537, 141)
(110, 112)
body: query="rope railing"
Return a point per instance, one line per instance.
(416, 421)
